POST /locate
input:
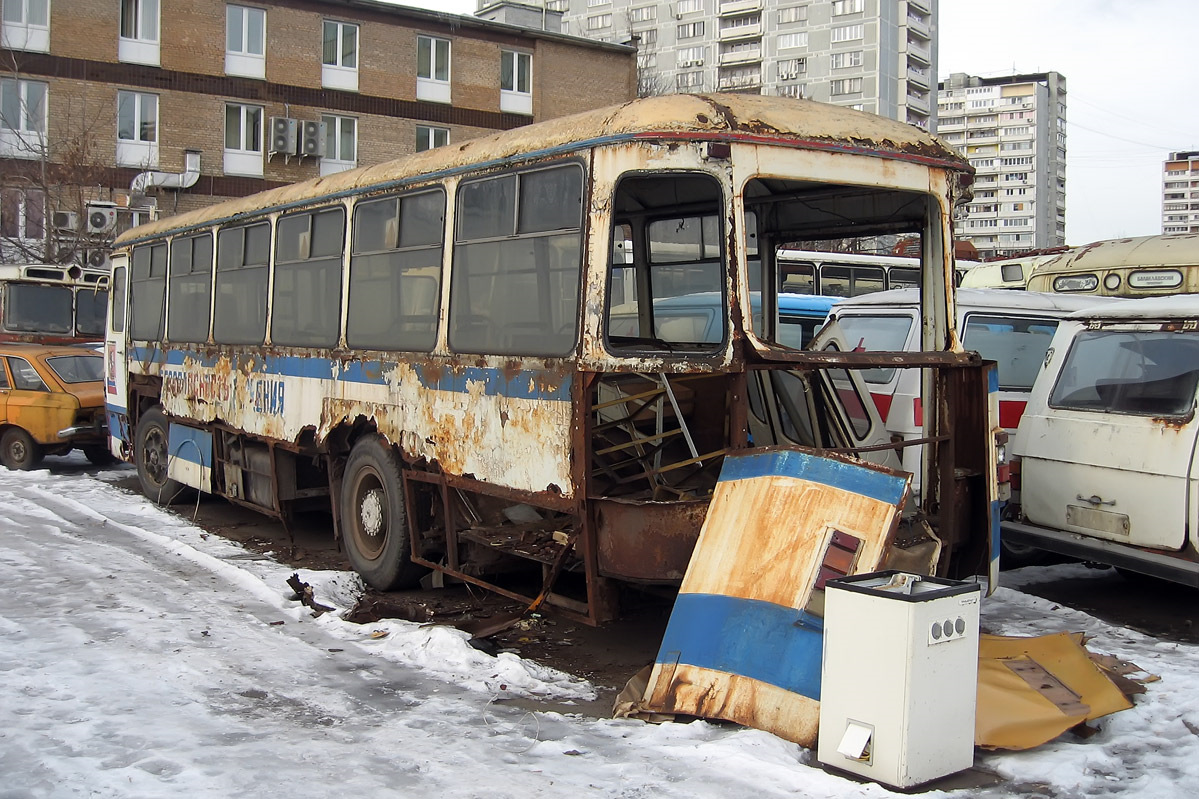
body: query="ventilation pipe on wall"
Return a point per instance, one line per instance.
(170, 180)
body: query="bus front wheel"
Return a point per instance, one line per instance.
(373, 519)
(150, 454)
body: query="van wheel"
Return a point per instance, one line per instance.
(18, 450)
(374, 523)
(150, 455)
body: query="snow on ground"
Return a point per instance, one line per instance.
(142, 657)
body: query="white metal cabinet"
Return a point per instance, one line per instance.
(900, 677)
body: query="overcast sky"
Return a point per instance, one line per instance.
(1129, 70)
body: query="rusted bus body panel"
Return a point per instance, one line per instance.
(648, 542)
(744, 639)
(499, 426)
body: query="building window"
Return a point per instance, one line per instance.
(689, 6)
(648, 37)
(516, 82)
(846, 7)
(689, 30)
(22, 118)
(26, 25)
(339, 56)
(845, 86)
(847, 33)
(23, 214)
(792, 68)
(243, 139)
(137, 129)
(428, 137)
(852, 58)
(792, 14)
(341, 144)
(643, 14)
(690, 56)
(432, 69)
(791, 40)
(245, 41)
(599, 21)
(138, 43)
(689, 80)
(594, 3)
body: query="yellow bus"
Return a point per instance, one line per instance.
(1138, 267)
(427, 346)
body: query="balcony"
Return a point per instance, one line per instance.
(919, 75)
(918, 102)
(731, 7)
(739, 82)
(741, 55)
(919, 51)
(919, 26)
(730, 33)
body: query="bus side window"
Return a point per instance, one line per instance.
(189, 292)
(395, 272)
(242, 266)
(517, 258)
(116, 299)
(148, 275)
(306, 301)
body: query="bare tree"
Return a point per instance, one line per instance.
(50, 171)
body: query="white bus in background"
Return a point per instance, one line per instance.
(843, 274)
(1012, 273)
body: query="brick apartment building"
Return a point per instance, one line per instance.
(112, 111)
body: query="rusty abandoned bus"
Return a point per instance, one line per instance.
(424, 346)
(52, 303)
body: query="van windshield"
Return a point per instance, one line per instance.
(1018, 346)
(1152, 373)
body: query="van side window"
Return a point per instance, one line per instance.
(1151, 373)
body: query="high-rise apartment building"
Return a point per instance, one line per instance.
(1013, 130)
(1180, 193)
(873, 55)
(143, 107)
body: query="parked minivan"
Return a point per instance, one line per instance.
(1108, 442)
(1012, 328)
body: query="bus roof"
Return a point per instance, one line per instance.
(719, 117)
(1175, 250)
(1145, 309)
(997, 299)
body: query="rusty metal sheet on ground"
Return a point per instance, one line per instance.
(1018, 710)
(745, 637)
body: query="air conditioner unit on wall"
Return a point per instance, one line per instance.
(312, 139)
(283, 135)
(97, 259)
(101, 218)
(66, 221)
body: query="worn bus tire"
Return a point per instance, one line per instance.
(150, 455)
(374, 522)
(18, 450)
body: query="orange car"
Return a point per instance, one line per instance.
(51, 401)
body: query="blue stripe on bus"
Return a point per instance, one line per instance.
(850, 477)
(525, 384)
(777, 645)
(996, 510)
(191, 445)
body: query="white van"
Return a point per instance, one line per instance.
(1108, 443)
(1012, 328)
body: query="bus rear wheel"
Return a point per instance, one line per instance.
(150, 455)
(374, 521)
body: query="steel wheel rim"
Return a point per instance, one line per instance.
(154, 456)
(371, 522)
